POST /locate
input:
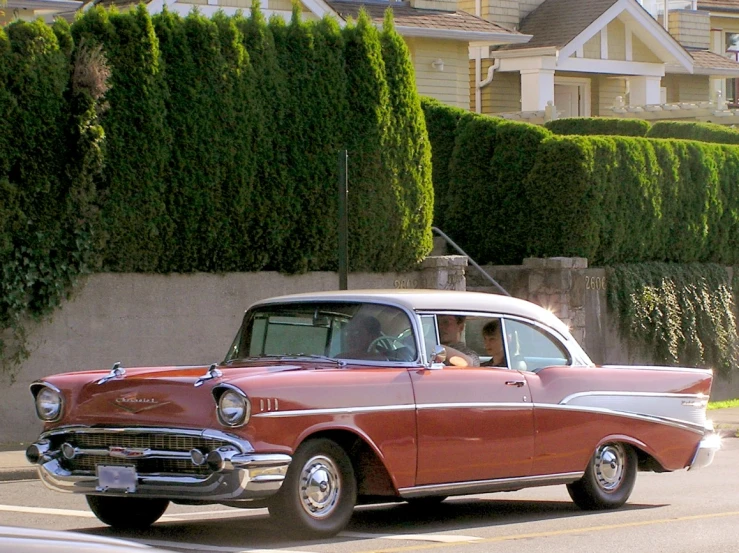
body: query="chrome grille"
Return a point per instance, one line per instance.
(149, 465)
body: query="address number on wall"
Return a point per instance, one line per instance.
(403, 283)
(595, 283)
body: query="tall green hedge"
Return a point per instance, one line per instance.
(407, 153)
(159, 144)
(599, 125)
(441, 123)
(138, 141)
(619, 200)
(705, 132)
(486, 212)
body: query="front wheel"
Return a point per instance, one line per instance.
(126, 513)
(608, 480)
(318, 495)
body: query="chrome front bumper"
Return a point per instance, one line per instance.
(706, 449)
(235, 472)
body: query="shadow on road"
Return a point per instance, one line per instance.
(256, 530)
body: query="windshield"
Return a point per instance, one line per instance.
(362, 331)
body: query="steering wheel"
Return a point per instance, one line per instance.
(384, 345)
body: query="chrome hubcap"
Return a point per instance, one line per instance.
(320, 485)
(609, 466)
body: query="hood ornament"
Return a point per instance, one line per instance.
(116, 372)
(212, 373)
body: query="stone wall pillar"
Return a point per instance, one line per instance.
(555, 285)
(444, 272)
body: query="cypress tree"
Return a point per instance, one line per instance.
(312, 55)
(268, 215)
(194, 71)
(371, 198)
(134, 214)
(408, 153)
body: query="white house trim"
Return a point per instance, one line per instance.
(613, 67)
(468, 36)
(533, 63)
(643, 25)
(604, 43)
(321, 8)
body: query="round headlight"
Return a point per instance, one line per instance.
(233, 408)
(48, 404)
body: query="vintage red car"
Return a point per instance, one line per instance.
(331, 399)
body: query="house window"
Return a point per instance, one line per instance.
(732, 85)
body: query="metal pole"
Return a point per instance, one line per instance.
(343, 221)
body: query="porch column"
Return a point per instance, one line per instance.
(537, 88)
(644, 90)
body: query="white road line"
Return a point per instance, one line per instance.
(441, 538)
(64, 512)
(204, 547)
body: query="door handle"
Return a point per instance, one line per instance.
(516, 383)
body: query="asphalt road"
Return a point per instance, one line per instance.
(681, 512)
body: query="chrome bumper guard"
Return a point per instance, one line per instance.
(236, 473)
(706, 449)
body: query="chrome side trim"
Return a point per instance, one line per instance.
(701, 397)
(337, 411)
(489, 486)
(684, 425)
(650, 368)
(477, 405)
(385, 408)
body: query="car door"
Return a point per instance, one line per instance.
(474, 423)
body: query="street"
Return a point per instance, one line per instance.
(681, 512)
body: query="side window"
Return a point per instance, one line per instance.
(430, 340)
(531, 348)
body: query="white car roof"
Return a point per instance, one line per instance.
(433, 300)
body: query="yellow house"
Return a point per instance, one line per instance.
(604, 58)
(33, 9)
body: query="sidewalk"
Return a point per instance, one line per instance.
(13, 464)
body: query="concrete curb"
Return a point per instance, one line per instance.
(9, 475)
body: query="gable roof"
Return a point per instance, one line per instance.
(558, 22)
(566, 25)
(410, 21)
(711, 63)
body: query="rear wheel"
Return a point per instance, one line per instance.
(318, 495)
(608, 480)
(127, 512)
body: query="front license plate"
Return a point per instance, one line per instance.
(116, 478)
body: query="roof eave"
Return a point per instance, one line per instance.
(468, 36)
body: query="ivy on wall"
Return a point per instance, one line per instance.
(683, 314)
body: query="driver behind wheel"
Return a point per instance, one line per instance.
(358, 335)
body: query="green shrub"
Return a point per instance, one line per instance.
(487, 211)
(705, 132)
(599, 125)
(441, 124)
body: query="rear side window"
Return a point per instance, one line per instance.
(531, 348)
